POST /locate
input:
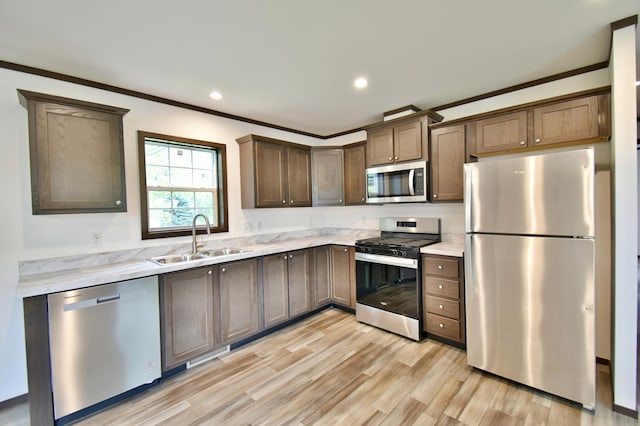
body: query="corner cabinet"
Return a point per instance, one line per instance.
(274, 173)
(334, 276)
(187, 316)
(238, 289)
(327, 176)
(443, 297)
(77, 155)
(447, 160)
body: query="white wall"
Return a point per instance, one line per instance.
(625, 217)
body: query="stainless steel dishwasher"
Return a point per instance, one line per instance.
(104, 341)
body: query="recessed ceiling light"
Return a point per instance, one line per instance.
(360, 83)
(215, 95)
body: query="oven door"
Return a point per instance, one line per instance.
(388, 283)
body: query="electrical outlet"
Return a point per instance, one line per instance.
(97, 238)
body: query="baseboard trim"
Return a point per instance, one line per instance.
(626, 411)
(14, 401)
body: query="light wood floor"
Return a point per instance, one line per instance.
(329, 370)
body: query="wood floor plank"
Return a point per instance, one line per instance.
(329, 369)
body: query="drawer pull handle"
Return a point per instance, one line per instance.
(441, 325)
(440, 286)
(440, 306)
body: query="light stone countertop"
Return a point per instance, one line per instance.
(37, 283)
(451, 245)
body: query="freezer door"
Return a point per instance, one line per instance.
(548, 194)
(530, 311)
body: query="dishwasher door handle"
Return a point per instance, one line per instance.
(106, 299)
(90, 303)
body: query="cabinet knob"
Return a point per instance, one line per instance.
(291, 201)
(440, 306)
(537, 140)
(284, 202)
(339, 201)
(118, 202)
(441, 325)
(290, 256)
(346, 249)
(396, 157)
(440, 286)
(362, 198)
(209, 273)
(439, 266)
(285, 257)
(224, 269)
(435, 195)
(522, 143)
(390, 158)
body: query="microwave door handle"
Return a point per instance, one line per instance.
(412, 189)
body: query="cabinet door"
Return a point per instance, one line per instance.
(566, 121)
(299, 177)
(187, 316)
(340, 275)
(380, 146)
(238, 300)
(299, 282)
(270, 177)
(77, 159)
(354, 175)
(275, 289)
(507, 131)
(447, 159)
(407, 141)
(322, 276)
(328, 178)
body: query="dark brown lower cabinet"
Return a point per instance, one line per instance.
(286, 284)
(341, 275)
(322, 276)
(238, 287)
(188, 323)
(443, 297)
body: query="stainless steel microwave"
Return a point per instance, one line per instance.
(398, 183)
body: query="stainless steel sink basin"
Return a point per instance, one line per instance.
(222, 252)
(177, 258)
(205, 254)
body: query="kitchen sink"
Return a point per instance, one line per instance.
(206, 254)
(222, 252)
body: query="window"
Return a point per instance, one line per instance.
(180, 178)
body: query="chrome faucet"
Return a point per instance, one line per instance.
(194, 245)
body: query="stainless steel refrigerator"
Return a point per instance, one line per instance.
(529, 271)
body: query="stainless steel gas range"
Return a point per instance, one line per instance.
(388, 274)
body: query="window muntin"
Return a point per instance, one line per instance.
(179, 179)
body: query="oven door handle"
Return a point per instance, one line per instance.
(388, 260)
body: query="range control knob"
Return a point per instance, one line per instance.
(403, 253)
(394, 252)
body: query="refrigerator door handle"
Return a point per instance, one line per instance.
(468, 268)
(467, 197)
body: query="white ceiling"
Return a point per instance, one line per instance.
(293, 62)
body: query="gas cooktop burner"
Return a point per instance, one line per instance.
(399, 242)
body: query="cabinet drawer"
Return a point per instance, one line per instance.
(441, 267)
(442, 326)
(442, 287)
(444, 307)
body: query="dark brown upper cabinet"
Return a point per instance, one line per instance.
(354, 174)
(399, 140)
(447, 159)
(77, 155)
(274, 173)
(575, 119)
